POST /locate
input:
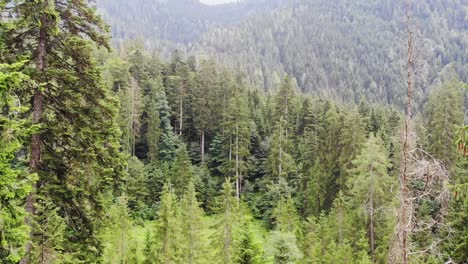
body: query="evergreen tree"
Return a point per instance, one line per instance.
(50, 227)
(168, 229)
(15, 182)
(352, 138)
(370, 183)
(181, 171)
(202, 94)
(118, 233)
(444, 113)
(224, 239)
(135, 185)
(247, 249)
(285, 103)
(193, 248)
(153, 120)
(285, 215)
(75, 153)
(285, 246)
(280, 163)
(237, 127)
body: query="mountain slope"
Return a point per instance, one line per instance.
(180, 21)
(344, 49)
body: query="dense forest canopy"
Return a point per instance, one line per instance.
(330, 47)
(280, 132)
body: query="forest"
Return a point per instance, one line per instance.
(116, 153)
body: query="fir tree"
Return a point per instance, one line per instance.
(153, 120)
(76, 152)
(192, 245)
(168, 229)
(181, 172)
(444, 113)
(237, 127)
(225, 227)
(370, 183)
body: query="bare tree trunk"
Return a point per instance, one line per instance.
(237, 163)
(371, 217)
(181, 107)
(202, 146)
(403, 211)
(36, 140)
(132, 110)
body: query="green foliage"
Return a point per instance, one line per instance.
(168, 229)
(193, 246)
(444, 112)
(223, 239)
(15, 181)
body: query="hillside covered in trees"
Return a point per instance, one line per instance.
(119, 155)
(332, 48)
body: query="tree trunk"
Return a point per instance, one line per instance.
(371, 216)
(36, 140)
(181, 107)
(202, 146)
(238, 183)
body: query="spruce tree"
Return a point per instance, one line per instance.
(370, 184)
(181, 171)
(193, 247)
(223, 238)
(168, 229)
(247, 249)
(352, 139)
(117, 233)
(237, 127)
(153, 120)
(76, 152)
(444, 113)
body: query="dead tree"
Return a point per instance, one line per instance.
(421, 176)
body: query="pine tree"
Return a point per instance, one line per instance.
(247, 249)
(280, 163)
(130, 115)
(444, 112)
(223, 238)
(285, 103)
(153, 120)
(168, 229)
(286, 230)
(237, 127)
(285, 215)
(202, 94)
(168, 141)
(370, 183)
(352, 138)
(181, 171)
(49, 226)
(193, 248)
(285, 246)
(76, 151)
(118, 233)
(135, 185)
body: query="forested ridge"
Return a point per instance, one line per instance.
(330, 47)
(121, 156)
